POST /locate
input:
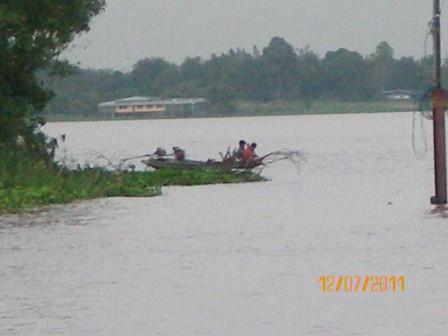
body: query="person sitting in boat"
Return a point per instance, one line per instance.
(160, 153)
(249, 152)
(239, 152)
(179, 154)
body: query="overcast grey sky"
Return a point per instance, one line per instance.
(130, 30)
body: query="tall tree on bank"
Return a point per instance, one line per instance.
(383, 65)
(154, 75)
(310, 72)
(346, 76)
(282, 66)
(32, 34)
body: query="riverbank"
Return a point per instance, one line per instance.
(276, 108)
(32, 184)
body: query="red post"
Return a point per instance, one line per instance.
(439, 108)
(439, 99)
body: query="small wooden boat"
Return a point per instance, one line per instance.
(159, 163)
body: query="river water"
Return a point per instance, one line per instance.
(236, 259)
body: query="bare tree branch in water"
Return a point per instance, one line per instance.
(112, 163)
(297, 158)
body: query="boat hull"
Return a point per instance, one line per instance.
(193, 164)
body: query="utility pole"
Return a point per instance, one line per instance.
(439, 106)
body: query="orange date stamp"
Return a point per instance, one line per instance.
(363, 284)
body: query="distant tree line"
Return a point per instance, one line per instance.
(277, 72)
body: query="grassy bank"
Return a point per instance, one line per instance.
(27, 184)
(251, 109)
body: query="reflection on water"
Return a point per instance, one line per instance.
(235, 259)
(78, 213)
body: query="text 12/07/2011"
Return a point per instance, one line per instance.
(363, 284)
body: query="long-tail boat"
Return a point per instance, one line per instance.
(230, 164)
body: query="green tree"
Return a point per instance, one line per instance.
(222, 98)
(192, 70)
(384, 52)
(282, 66)
(85, 85)
(346, 75)
(32, 34)
(310, 72)
(154, 75)
(383, 64)
(407, 73)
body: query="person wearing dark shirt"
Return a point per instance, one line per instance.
(179, 154)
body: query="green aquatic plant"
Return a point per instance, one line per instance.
(31, 182)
